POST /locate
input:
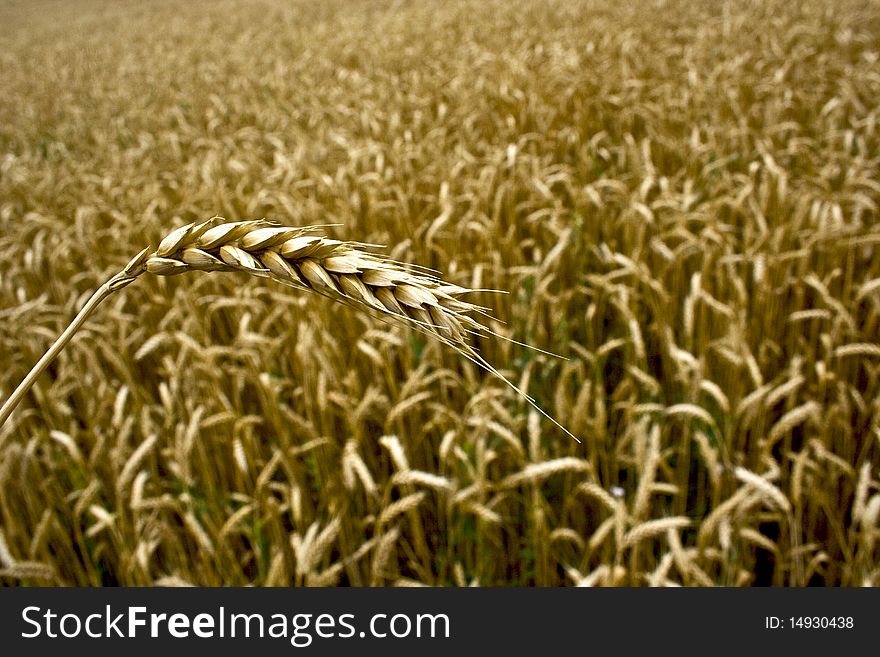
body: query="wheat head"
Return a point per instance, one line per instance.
(347, 272)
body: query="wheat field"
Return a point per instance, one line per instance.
(681, 199)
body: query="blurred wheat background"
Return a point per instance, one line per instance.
(681, 197)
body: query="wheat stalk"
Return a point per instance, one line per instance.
(344, 271)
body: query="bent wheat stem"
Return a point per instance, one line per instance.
(100, 294)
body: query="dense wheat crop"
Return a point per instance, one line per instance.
(681, 198)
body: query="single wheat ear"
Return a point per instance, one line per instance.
(301, 258)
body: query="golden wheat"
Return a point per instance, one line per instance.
(680, 197)
(297, 257)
